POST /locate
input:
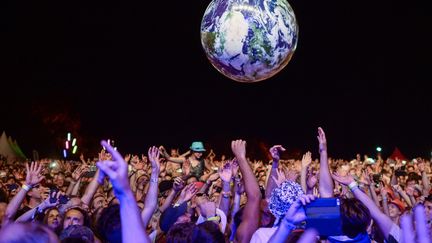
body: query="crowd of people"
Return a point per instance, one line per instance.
(197, 196)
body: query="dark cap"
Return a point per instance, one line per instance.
(170, 216)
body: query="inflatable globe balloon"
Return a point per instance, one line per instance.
(249, 40)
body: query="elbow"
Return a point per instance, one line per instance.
(255, 195)
(8, 215)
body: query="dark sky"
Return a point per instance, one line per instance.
(110, 69)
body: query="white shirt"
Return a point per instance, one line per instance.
(263, 235)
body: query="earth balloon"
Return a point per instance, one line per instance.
(249, 40)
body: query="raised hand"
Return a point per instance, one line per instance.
(52, 200)
(280, 177)
(127, 157)
(213, 177)
(234, 167)
(421, 234)
(296, 212)
(421, 166)
(153, 155)
(322, 140)
(366, 179)
(344, 180)
(188, 192)
(225, 172)
(275, 152)
(306, 160)
(312, 180)
(291, 175)
(178, 184)
(82, 159)
(239, 148)
(78, 172)
(116, 169)
(33, 175)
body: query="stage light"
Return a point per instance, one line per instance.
(69, 136)
(74, 149)
(378, 149)
(73, 142)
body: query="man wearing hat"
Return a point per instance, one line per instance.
(195, 163)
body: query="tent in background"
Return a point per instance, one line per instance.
(10, 149)
(16, 148)
(398, 154)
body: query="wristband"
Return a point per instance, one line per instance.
(26, 187)
(352, 185)
(154, 180)
(288, 224)
(226, 194)
(214, 218)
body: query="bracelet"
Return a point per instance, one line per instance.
(352, 185)
(154, 180)
(26, 187)
(226, 194)
(288, 224)
(214, 218)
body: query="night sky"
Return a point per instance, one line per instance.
(110, 69)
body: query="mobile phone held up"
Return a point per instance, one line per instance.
(63, 199)
(323, 215)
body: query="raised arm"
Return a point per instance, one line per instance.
(91, 189)
(384, 201)
(251, 214)
(225, 173)
(425, 180)
(51, 201)
(383, 221)
(180, 160)
(177, 186)
(275, 154)
(117, 171)
(33, 177)
(305, 163)
(150, 203)
(325, 181)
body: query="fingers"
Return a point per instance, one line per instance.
(105, 168)
(275, 180)
(115, 154)
(421, 228)
(407, 228)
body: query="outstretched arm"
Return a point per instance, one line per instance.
(251, 215)
(150, 203)
(305, 163)
(383, 221)
(271, 184)
(117, 171)
(91, 189)
(33, 177)
(325, 181)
